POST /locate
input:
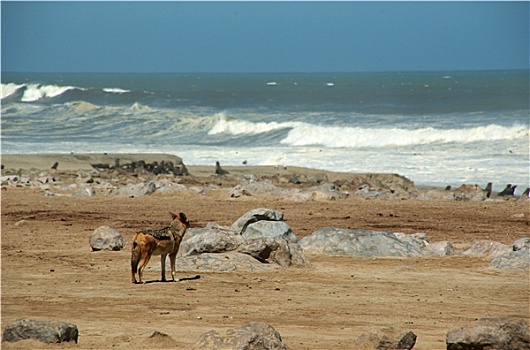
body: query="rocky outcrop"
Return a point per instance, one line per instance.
(512, 260)
(487, 248)
(490, 333)
(359, 243)
(251, 336)
(259, 240)
(42, 330)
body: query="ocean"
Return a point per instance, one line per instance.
(435, 128)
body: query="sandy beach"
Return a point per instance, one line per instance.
(50, 272)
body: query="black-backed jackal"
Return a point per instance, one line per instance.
(158, 242)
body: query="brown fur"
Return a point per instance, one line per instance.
(158, 242)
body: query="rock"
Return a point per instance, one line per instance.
(361, 243)
(239, 191)
(470, 193)
(251, 336)
(443, 248)
(256, 215)
(386, 338)
(417, 240)
(270, 229)
(159, 340)
(221, 262)
(106, 238)
(135, 190)
(85, 191)
(486, 248)
(512, 260)
(521, 244)
(211, 239)
(259, 187)
(274, 250)
(326, 192)
(490, 333)
(42, 330)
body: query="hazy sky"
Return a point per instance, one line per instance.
(263, 36)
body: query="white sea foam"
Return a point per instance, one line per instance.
(35, 92)
(243, 127)
(116, 90)
(10, 89)
(304, 134)
(352, 137)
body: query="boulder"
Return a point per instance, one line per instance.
(470, 193)
(361, 243)
(211, 239)
(521, 244)
(251, 336)
(274, 250)
(443, 248)
(42, 330)
(386, 338)
(486, 248)
(490, 333)
(256, 215)
(512, 260)
(221, 262)
(106, 238)
(270, 229)
(327, 191)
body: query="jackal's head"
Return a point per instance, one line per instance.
(180, 222)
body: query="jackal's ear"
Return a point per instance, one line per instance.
(173, 215)
(183, 218)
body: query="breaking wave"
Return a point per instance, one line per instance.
(36, 92)
(304, 134)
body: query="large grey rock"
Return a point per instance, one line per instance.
(274, 250)
(487, 248)
(443, 248)
(386, 339)
(211, 239)
(521, 244)
(418, 240)
(361, 243)
(254, 187)
(489, 334)
(252, 336)
(106, 238)
(42, 330)
(518, 260)
(256, 215)
(270, 229)
(221, 262)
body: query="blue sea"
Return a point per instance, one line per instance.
(436, 128)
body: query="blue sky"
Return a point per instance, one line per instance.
(263, 36)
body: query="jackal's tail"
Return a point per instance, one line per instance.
(135, 257)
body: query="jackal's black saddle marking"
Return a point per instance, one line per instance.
(162, 234)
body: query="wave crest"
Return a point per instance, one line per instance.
(352, 137)
(304, 134)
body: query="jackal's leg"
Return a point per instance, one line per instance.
(143, 264)
(135, 259)
(163, 266)
(172, 258)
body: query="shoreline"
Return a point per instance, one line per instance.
(83, 161)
